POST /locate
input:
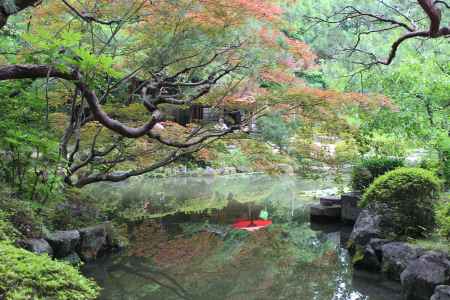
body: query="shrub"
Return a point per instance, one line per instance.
(406, 197)
(368, 169)
(443, 219)
(25, 275)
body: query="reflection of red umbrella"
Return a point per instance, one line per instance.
(251, 225)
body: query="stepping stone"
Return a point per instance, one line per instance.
(330, 201)
(322, 213)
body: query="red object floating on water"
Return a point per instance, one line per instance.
(251, 225)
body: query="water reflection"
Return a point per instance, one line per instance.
(184, 253)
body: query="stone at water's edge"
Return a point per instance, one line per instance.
(322, 213)
(38, 246)
(367, 227)
(442, 292)
(63, 242)
(94, 240)
(350, 209)
(73, 259)
(424, 274)
(396, 257)
(329, 201)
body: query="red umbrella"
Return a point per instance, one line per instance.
(251, 225)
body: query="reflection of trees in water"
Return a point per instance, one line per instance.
(155, 197)
(285, 262)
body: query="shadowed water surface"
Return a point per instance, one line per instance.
(183, 247)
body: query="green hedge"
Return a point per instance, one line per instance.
(25, 275)
(407, 197)
(368, 169)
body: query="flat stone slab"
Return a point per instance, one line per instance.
(350, 209)
(330, 201)
(320, 212)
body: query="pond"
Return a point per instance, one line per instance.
(182, 244)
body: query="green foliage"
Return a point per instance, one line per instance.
(273, 128)
(234, 158)
(7, 231)
(368, 169)
(443, 219)
(26, 275)
(407, 197)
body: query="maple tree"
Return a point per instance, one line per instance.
(132, 63)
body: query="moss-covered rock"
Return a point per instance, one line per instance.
(25, 275)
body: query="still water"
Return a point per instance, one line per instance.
(182, 244)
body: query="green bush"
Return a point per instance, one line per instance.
(406, 197)
(368, 169)
(25, 275)
(443, 219)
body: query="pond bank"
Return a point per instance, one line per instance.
(423, 274)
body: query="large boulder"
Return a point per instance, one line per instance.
(367, 227)
(63, 242)
(442, 292)
(424, 274)
(396, 257)
(94, 240)
(350, 208)
(38, 246)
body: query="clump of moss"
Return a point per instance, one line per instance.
(407, 197)
(25, 275)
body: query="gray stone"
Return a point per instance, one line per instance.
(325, 213)
(243, 169)
(367, 227)
(330, 200)
(350, 209)
(369, 260)
(63, 242)
(424, 274)
(73, 259)
(94, 240)
(38, 246)
(442, 292)
(210, 171)
(396, 257)
(371, 255)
